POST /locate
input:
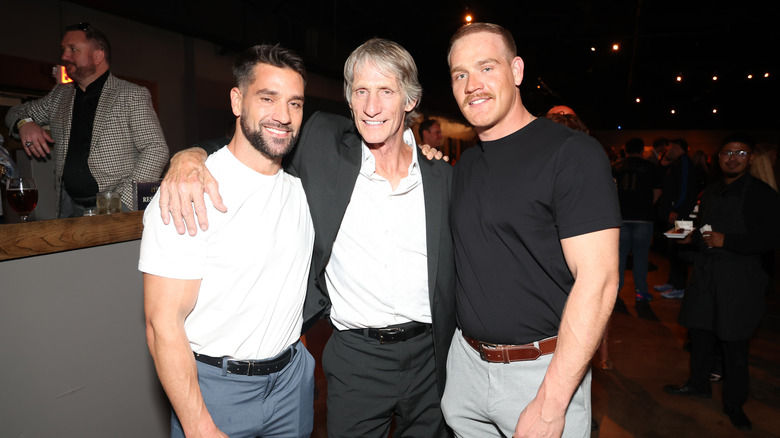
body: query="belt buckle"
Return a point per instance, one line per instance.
(483, 346)
(248, 364)
(388, 331)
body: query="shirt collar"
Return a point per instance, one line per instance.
(96, 85)
(368, 166)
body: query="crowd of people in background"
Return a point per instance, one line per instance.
(731, 197)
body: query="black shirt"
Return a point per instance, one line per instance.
(514, 199)
(76, 177)
(636, 178)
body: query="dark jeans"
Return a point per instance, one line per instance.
(635, 237)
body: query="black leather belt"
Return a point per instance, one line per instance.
(249, 367)
(393, 334)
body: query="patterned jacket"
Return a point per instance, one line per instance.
(127, 140)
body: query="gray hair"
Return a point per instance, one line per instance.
(391, 60)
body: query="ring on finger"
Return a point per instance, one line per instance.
(28, 143)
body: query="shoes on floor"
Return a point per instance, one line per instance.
(737, 417)
(663, 287)
(643, 296)
(674, 294)
(606, 364)
(687, 390)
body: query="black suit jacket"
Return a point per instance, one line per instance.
(327, 159)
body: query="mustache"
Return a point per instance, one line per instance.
(468, 99)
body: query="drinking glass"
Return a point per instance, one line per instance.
(22, 196)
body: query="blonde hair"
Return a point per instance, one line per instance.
(761, 167)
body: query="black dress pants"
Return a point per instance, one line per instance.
(370, 383)
(735, 365)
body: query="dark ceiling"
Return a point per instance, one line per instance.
(659, 40)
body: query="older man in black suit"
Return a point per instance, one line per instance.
(383, 263)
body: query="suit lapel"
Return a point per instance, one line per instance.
(105, 107)
(350, 154)
(433, 192)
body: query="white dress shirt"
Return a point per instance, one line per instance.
(378, 272)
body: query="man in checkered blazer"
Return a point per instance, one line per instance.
(105, 131)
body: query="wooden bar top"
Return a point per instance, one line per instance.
(46, 237)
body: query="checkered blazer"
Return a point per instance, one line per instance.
(127, 140)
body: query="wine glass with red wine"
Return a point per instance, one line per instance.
(22, 195)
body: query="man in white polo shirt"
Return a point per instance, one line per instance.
(224, 308)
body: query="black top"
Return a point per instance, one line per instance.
(759, 214)
(76, 177)
(636, 178)
(680, 189)
(514, 199)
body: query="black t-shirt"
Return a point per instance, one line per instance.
(514, 199)
(636, 178)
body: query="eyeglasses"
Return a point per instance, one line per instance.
(739, 154)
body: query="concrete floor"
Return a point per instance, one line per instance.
(646, 348)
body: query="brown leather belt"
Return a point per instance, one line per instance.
(501, 353)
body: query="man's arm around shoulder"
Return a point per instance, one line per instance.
(167, 302)
(593, 260)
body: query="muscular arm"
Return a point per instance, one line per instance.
(167, 302)
(593, 260)
(184, 184)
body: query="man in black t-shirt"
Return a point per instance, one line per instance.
(639, 187)
(535, 224)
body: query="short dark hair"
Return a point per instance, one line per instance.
(92, 33)
(739, 137)
(680, 141)
(426, 125)
(468, 29)
(635, 146)
(274, 55)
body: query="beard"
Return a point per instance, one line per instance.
(79, 73)
(273, 148)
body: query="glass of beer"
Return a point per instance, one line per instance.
(22, 196)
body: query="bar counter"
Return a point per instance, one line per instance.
(72, 331)
(46, 237)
